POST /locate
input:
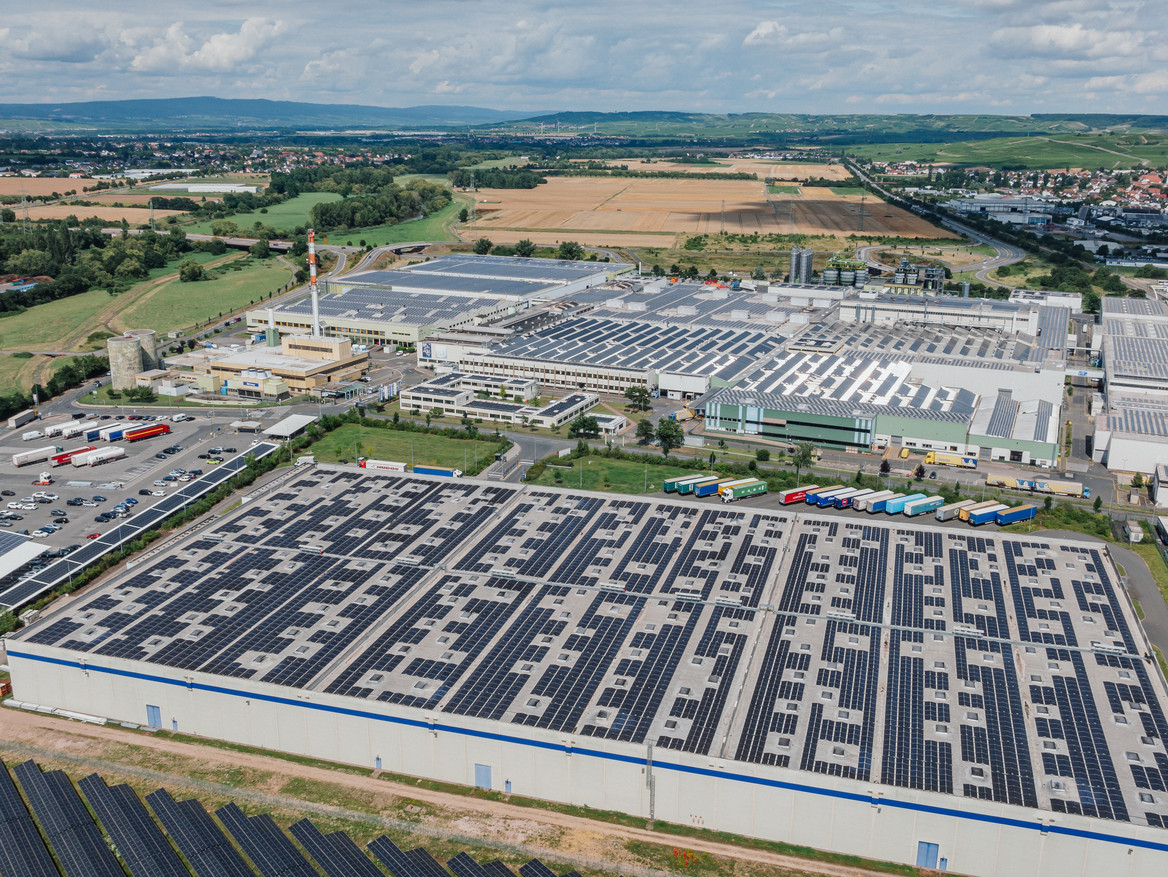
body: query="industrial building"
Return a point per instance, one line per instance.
(301, 365)
(403, 306)
(489, 398)
(1132, 436)
(969, 701)
(972, 391)
(889, 308)
(130, 354)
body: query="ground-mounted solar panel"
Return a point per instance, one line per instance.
(269, 849)
(22, 850)
(498, 869)
(125, 819)
(464, 866)
(336, 854)
(394, 859)
(197, 837)
(536, 868)
(74, 838)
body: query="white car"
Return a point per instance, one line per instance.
(40, 534)
(158, 493)
(28, 506)
(51, 497)
(160, 483)
(15, 505)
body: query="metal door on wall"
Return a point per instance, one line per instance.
(927, 855)
(483, 776)
(153, 716)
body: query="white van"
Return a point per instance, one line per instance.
(179, 418)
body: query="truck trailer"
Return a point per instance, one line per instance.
(19, 420)
(896, 506)
(964, 513)
(949, 512)
(795, 494)
(1058, 488)
(65, 456)
(809, 498)
(923, 506)
(1016, 514)
(849, 500)
(828, 497)
(438, 470)
(861, 504)
(988, 515)
(144, 432)
(740, 489)
(709, 488)
(38, 456)
(876, 506)
(671, 484)
(382, 466)
(940, 458)
(99, 456)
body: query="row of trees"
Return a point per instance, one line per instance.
(495, 178)
(391, 204)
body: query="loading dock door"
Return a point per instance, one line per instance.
(153, 716)
(483, 778)
(927, 855)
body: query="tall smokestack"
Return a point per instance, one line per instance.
(312, 283)
(272, 336)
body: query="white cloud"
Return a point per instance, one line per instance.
(177, 51)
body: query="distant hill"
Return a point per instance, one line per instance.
(214, 113)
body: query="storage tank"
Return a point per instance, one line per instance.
(125, 358)
(831, 276)
(847, 277)
(148, 341)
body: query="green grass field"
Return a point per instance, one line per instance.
(1058, 151)
(435, 227)
(177, 305)
(282, 217)
(775, 189)
(351, 441)
(502, 162)
(612, 476)
(46, 323)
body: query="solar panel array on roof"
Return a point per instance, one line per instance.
(514, 268)
(903, 655)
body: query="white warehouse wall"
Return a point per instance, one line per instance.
(866, 819)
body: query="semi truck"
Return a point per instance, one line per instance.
(709, 488)
(828, 497)
(896, 506)
(671, 484)
(739, 489)
(964, 513)
(65, 456)
(923, 506)
(1058, 488)
(875, 506)
(438, 470)
(940, 458)
(949, 512)
(382, 465)
(1016, 514)
(144, 432)
(38, 456)
(988, 515)
(682, 415)
(795, 494)
(99, 456)
(861, 504)
(55, 429)
(849, 500)
(18, 420)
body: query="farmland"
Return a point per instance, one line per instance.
(282, 217)
(38, 186)
(655, 212)
(1062, 151)
(106, 213)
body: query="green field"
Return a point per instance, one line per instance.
(502, 162)
(775, 189)
(435, 227)
(282, 217)
(351, 441)
(47, 323)
(177, 305)
(611, 476)
(1059, 151)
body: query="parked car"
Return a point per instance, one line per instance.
(102, 519)
(75, 501)
(40, 534)
(89, 504)
(160, 483)
(92, 535)
(100, 499)
(7, 493)
(229, 450)
(160, 456)
(129, 500)
(158, 493)
(145, 492)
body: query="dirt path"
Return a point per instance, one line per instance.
(111, 317)
(584, 842)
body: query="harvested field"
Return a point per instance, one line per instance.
(42, 185)
(614, 210)
(132, 215)
(123, 197)
(761, 167)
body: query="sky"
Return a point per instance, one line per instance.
(716, 56)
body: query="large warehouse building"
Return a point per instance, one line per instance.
(973, 701)
(450, 292)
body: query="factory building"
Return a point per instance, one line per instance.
(449, 293)
(496, 400)
(1132, 436)
(890, 308)
(970, 701)
(301, 365)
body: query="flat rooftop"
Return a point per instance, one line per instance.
(723, 353)
(544, 271)
(694, 304)
(396, 306)
(1002, 667)
(411, 281)
(846, 386)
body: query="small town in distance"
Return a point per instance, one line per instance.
(455, 491)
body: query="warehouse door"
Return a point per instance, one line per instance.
(926, 855)
(483, 776)
(153, 716)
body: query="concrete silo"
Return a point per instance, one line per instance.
(125, 358)
(148, 340)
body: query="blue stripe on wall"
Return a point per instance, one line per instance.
(1003, 821)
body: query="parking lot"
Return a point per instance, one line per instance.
(82, 503)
